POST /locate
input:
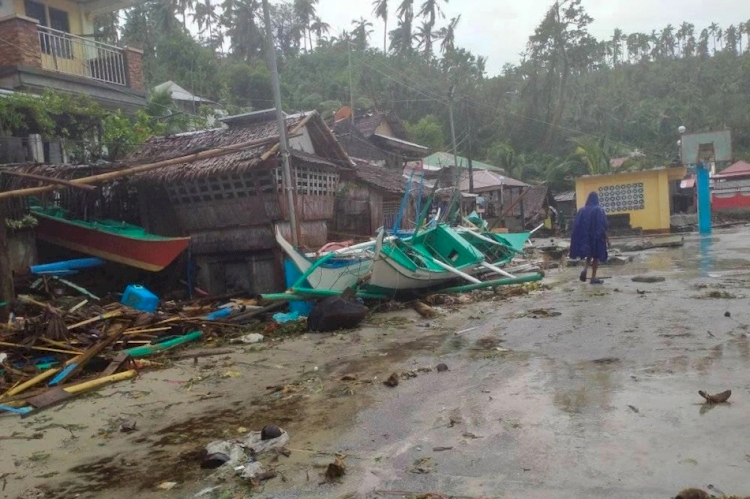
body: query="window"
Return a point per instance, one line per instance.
(36, 10)
(51, 42)
(58, 19)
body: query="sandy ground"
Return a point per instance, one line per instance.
(577, 391)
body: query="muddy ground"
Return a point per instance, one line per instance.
(575, 391)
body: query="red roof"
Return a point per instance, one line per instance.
(737, 169)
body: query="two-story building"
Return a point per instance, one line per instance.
(50, 44)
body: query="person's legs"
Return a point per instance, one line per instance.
(585, 270)
(594, 268)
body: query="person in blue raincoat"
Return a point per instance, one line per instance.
(589, 239)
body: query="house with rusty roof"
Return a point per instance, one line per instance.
(230, 204)
(376, 136)
(369, 198)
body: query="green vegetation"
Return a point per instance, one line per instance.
(571, 104)
(88, 131)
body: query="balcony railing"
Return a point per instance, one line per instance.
(78, 56)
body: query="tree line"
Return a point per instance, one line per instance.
(568, 106)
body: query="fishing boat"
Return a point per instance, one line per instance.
(497, 248)
(334, 271)
(430, 259)
(108, 239)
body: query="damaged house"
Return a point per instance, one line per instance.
(378, 137)
(229, 205)
(369, 198)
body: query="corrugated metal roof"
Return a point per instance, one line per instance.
(566, 196)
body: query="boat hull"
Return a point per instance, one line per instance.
(336, 275)
(389, 277)
(148, 254)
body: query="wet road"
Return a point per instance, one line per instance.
(599, 401)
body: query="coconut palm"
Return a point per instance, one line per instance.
(306, 13)
(715, 31)
(703, 44)
(617, 39)
(448, 35)
(320, 29)
(207, 18)
(185, 6)
(361, 32)
(380, 10)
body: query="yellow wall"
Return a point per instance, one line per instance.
(655, 213)
(80, 22)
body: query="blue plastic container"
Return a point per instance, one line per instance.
(291, 274)
(140, 298)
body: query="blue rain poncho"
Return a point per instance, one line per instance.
(589, 237)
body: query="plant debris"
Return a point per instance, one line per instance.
(423, 465)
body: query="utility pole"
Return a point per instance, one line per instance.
(469, 154)
(351, 86)
(457, 176)
(286, 170)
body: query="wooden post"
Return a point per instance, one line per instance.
(7, 293)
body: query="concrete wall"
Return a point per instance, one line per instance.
(654, 216)
(22, 249)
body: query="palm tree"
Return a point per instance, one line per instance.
(430, 10)
(703, 44)
(425, 37)
(361, 32)
(617, 39)
(380, 10)
(667, 40)
(245, 37)
(206, 16)
(403, 35)
(644, 45)
(305, 10)
(592, 153)
(448, 35)
(655, 45)
(715, 31)
(731, 35)
(184, 6)
(632, 45)
(320, 29)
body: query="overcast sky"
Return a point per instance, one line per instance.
(499, 29)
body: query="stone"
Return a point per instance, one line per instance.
(441, 368)
(269, 432)
(648, 279)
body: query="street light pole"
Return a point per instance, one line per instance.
(286, 169)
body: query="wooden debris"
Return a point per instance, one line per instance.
(424, 310)
(719, 398)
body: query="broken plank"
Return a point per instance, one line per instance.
(86, 356)
(116, 363)
(49, 398)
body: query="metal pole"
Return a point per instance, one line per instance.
(457, 175)
(286, 170)
(704, 198)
